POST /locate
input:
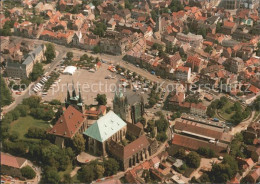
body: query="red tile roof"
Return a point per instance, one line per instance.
(69, 123)
(135, 146)
(253, 89)
(198, 106)
(229, 24)
(193, 60)
(183, 69)
(12, 161)
(194, 144)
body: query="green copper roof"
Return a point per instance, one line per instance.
(105, 127)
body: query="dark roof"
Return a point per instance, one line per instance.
(69, 123)
(134, 129)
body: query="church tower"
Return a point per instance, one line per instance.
(74, 99)
(121, 106)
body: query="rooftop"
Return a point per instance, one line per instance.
(105, 127)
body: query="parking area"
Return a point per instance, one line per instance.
(90, 84)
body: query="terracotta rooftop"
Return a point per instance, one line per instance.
(12, 161)
(194, 144)
(68, 124)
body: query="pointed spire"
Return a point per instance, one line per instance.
(68, 93)
(80, 99)
(73, 90)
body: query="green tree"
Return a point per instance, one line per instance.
(51, 176)
(100, 29)
(208, 49)
(97, 49)
(100, 170)
(176, 6)
(6, 97)
(193, 159)
(79, 143)
(33, 101)
(161, 136)
(50, 53)
(180, 153)
(111, 166)
(28, 172)
(55, 102)
(128, 4)
(202, 31)
(69, 55)
(23, 109)
(86, 174)
(204, 178)
(25, 83)
(101, 99)
(67, 178)
(36, 72)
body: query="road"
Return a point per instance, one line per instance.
(27, 92)
(243, 125)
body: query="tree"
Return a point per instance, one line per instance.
(25, 83)
(142, 120)
(97, 49)
(69, 55)
(208, 49)
(100, 29)
(150, 125)
(86, 174)
(67, 178)
(51, 176)
(99, 171)
(219, 27)
(176, 6)
(28, 172)
(161, 136)
(55, 102)
(204, 178)
(36, 72)
(23, 109)
(33, 101)
(128, 5)
(50, 52)
(6, 97)
(111, 166)
(79, 143)
(193, 159)
(101, 99)
(202, 31)
(207, 152)
(180, 153)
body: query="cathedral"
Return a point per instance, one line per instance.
(74, 100)
(121, 107)
(130, 110)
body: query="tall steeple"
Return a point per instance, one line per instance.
(68, 93)
(80, 98)
(73, 90)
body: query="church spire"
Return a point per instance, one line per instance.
(80, 98)
(68, 93)
(73, 90)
